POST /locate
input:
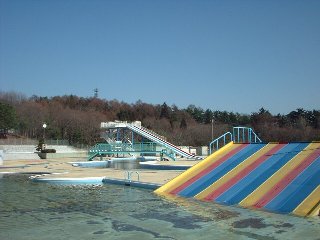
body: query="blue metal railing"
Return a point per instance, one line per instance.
(128, 175)
(238, 135)
(245, 135)
(112, 148)
(220, 141)
(168, 153)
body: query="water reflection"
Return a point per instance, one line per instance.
(124, 164)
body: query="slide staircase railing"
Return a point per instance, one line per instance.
(154, 133)
(149, 135)
(238, 135)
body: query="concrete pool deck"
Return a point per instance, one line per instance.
(56, 169)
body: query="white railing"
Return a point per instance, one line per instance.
(160, 141)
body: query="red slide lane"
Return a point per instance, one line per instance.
(241, 174)
(272, 193)
(208, 169)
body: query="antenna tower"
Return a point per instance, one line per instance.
(96, 92)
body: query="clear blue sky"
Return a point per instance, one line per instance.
(224, 55)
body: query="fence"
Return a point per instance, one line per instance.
(18, 141)
(49, 142)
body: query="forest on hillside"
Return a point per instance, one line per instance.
(77, 119)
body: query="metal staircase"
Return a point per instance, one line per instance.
(155, 138)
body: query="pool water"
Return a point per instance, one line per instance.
(30, 210)
(125, 164)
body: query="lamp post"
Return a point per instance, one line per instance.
(44, 131)
(212, 129)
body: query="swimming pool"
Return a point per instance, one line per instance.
(34, 211)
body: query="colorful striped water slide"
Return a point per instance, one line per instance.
(292, 195)
(227, 161)
(261, 173)
(191, 173)
(238, 172)
(309, 206)
(272, 187)
(205, 179)
(279, 177)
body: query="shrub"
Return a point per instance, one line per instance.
(40, 145)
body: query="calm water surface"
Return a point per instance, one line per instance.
(34, 211)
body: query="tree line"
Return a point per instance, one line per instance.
(77, 119)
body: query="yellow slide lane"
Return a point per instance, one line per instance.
(196, 169)
(252, 198)
(310, 206)
(234, 171)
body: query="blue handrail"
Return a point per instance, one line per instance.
(238, 135)
(223, 138)
(245, 134)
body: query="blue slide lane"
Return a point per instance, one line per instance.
(253, 180)
(290, 197)
(220, 170)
